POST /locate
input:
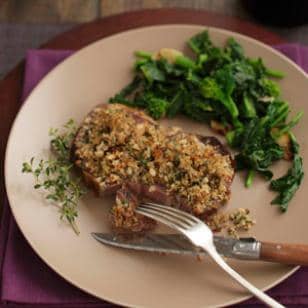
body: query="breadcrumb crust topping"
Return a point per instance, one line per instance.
(116, 146)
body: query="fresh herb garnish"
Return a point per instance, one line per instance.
(235, 94)
(55, 174)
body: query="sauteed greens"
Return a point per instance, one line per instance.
(236, 95)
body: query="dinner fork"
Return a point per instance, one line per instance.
(200, 235)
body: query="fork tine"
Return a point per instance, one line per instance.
(175, 211)
(174, 214)
(158, 217)
(167, 216)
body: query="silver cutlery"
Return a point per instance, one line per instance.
(247, 248)
(201, 236)
(242, 249)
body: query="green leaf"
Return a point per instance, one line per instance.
(143, 54)
(26, 167)
(152, 72)
(258, 150)
(234, 49)
(249, 108)
(200, 43)
(234, 137)
(176, 103)
(273, 73)
(287, 127)
(249, 178)
(210, 88)
(268, 88)
(198, 108)
(295, 145)
(287, 185)
(276, 114)
(157, 107)
(202, 58)
(185, 62)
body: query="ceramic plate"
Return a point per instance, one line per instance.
(71, 90)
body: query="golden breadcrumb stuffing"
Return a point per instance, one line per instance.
(115, 146)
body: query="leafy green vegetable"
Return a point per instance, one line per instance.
(176, 102)
(55, 174)
(221, 85)
(143, 54)
(274, 74)
(287, 185)
(152, 73)
(285, 128)
(157, 107)
(249, 178)
(249, 110)
(258, 150)
(268, 87)
(262, 70)
(198, 108)
(200, 43)
(277, 113)
(210, 88)
(234, 49)
(185, 62)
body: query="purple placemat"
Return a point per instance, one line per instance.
(28, 282)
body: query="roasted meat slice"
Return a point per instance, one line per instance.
(118, 147)
(123, 214)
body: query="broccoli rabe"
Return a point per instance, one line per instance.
(220, 92)
(201, 43)
(157, 107)
(222, 86)
(287, 185)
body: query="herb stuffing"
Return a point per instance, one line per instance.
(55, 175)
(236, 95)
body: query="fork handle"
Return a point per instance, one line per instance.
(295, 254)
(241, 280)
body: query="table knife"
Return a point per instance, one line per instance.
(243, 248)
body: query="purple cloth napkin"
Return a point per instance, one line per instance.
(28, 282)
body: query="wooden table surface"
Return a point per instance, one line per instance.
(50, 11)
(27, 24)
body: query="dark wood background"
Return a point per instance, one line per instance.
(50, 11)
(27, 24)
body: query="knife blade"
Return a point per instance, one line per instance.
(243, 248)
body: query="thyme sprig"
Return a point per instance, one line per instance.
(55, 175)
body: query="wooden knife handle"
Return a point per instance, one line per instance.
(295, 254)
